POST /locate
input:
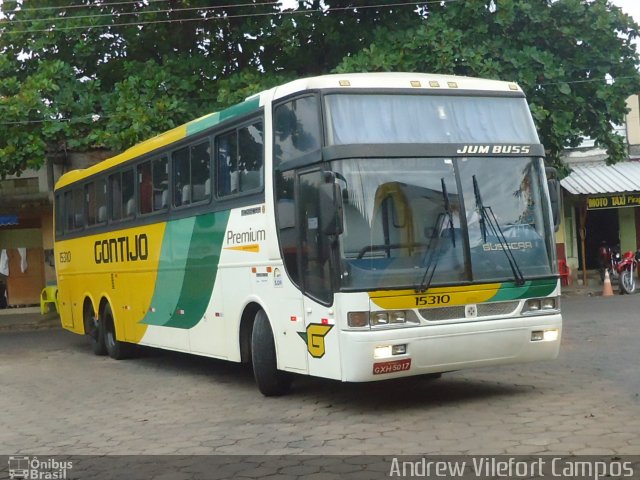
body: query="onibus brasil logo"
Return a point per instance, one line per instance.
(22, 467)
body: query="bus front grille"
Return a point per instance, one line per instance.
(458, 311)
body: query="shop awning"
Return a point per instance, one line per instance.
(8, 220)
(590, 179)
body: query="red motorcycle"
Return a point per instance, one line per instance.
(626, 269)
(621, 267)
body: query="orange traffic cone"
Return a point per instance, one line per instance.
(607, 290)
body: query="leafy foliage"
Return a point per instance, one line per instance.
(574, 59)
(110, 74)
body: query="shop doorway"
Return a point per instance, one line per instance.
(602, 226)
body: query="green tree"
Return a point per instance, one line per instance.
(574, 59)
(110, 74)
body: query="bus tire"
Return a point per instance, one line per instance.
(271, 381)
(116, 349)
(95, 332)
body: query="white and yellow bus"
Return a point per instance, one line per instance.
(355, 227)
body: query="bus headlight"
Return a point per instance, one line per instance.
(382, 318)
(379, 318)
(541, 305)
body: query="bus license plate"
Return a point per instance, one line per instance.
(392, 367)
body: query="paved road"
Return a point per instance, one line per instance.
(58, 398)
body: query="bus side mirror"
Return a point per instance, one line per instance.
(555, 196)
(331, 206)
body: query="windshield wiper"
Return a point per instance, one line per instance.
(434, 254)
(447, 210)
(487, 217)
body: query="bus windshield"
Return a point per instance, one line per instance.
(397, 221)
(388, 118)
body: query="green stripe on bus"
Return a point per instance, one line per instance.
(531, 288)
(212, 120)
(171, 271)
(201, 269)
(187, 270)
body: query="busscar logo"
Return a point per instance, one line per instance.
(488, 247)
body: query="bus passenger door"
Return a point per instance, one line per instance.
(320, 334)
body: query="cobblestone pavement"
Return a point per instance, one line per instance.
(58, 398)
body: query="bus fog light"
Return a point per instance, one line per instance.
(545, 335)
(358, 319)
(383, 351)
(399, 349)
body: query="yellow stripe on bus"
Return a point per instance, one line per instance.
(434, 297)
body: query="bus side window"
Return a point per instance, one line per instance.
(181, 177)
(78, 209)
(68, 211)
(101, 201)
(296, 129)
(227, 164)
(160, 183)
(128, 199)
(90, 198)
(200, 171)
(250, 157)
(145, 187)
(115, 191)
(59, 214)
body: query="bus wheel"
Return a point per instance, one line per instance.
(270, 380)
(95, 332)
(115, 348)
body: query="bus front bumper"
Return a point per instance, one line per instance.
(373, 355)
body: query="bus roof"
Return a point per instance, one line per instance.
(388, 80)
(335, 81)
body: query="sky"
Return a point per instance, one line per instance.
(631, 7)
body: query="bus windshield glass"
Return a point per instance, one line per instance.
(403, 215)
(388, 118)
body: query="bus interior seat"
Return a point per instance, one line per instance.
(157, 201)
(207, 188)
(198, 193)
(102, 214)
(165, 199)
(131, 207)
(186, 194)
(78, 220)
